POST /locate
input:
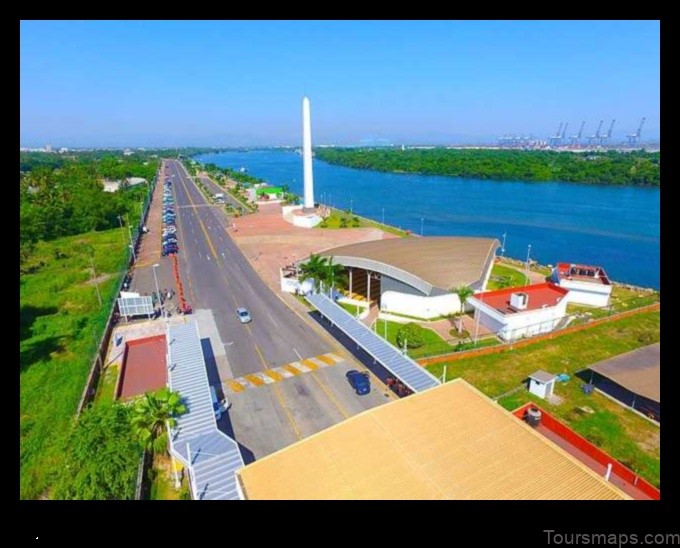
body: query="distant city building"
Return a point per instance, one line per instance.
(48, 148)
(62, 150)
(588, 285)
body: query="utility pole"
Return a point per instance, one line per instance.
(96, 282)
(132, 247)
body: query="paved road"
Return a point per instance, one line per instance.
(222, 279)
(219, 279)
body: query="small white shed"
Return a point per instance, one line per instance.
(542, 384)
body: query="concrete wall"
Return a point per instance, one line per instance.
(587, 293)
(520, 324)
(387, 283)
(306, 221)
(420, 306)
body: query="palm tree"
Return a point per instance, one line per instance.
(463, 292)
(151, 415)
(334, 274)
(314, 269)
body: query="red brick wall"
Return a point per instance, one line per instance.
(552, 424)
(525, 342)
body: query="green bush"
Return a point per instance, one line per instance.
(411, 334)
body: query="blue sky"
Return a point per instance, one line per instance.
(229, 83)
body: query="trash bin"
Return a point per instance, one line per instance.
(533, 417)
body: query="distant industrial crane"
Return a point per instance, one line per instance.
(576, 139)
(605, 138)
(564, 132)
(634, 138)
(555, 138)
(595, 137)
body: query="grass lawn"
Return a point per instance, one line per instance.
(337, 215)
(353, 309)
(163, 482)
(622, 299)
(505, 276)
(60, 325)
(107, 384)
(618, 431)
(434, 344)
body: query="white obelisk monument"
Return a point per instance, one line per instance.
(307, 155)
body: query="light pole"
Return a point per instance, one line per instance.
(122, 232)
(132, 247)
(158, 291)
(383, 215)
(503, 246)
(351, 206)
(526, 273)
(422, 225)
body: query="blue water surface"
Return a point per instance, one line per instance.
(615, 227)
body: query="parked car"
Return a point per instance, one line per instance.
(359, 381)
(243, 315)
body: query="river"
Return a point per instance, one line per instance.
(614, 227)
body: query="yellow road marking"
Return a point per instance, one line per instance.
(325, 358)
(330, 395)
(273, 375)
(288, 367)
(236, 386)
(285, 408)
(254, 380)
(309, 363)
(259, 352)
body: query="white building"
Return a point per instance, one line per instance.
(515, 312)
(587, 285)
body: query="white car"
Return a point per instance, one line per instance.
(243, 315)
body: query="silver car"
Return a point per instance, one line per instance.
(243, 315)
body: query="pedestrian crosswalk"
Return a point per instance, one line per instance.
(277, 374)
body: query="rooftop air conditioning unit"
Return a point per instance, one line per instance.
(519, 301)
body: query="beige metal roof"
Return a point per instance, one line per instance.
(639, 371)
(441, 261)
(448, 442)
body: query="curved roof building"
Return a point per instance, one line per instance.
(431, 266)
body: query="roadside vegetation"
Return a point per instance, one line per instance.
(610, 167)
(344, 219)
(72, 249)
(618, 431)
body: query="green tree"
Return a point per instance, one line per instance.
(411, 335)
(101, 456)
(151, 415)
(313, 269)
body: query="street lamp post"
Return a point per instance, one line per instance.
(503, 246)
(351, 206)
(383, 215)
(122, 232)
(422, 225)
(526, 272)
(158, 291)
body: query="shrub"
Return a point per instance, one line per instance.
(412, 334)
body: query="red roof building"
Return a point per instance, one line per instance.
(517, 312)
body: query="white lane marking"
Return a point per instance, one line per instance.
(297, 353)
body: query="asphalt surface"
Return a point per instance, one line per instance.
(218, 279)
(221, 278)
